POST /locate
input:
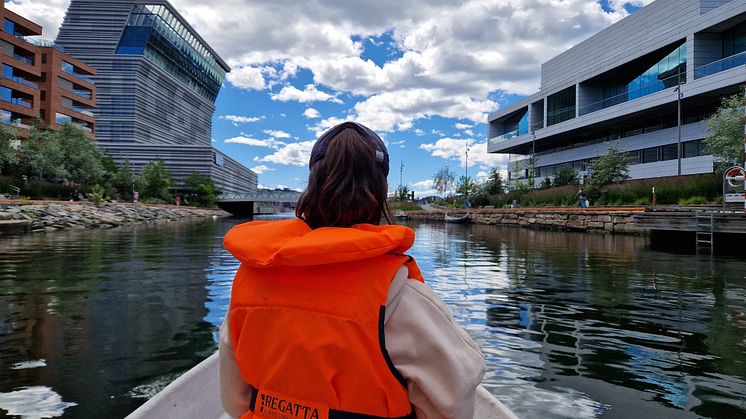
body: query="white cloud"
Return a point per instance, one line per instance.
(247, 77)
(309, 94)
(469, 132)
(311, 113)
(276, 134)
(454, 55)
(237, 119)
(459, 125)
(423, 188)
(261, 169)
(269, 142)
(47, 13)
(455, 149)
(293, 154)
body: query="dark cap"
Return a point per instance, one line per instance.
(382, 155)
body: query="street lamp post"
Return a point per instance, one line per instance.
(679, 95)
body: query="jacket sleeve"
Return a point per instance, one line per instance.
(234, 392)
(442, 364)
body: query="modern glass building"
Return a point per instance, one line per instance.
(157, 81)
(624, 86)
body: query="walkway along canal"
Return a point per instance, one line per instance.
(93, 322)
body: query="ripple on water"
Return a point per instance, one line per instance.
(34, 402)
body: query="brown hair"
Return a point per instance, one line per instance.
(346, 186)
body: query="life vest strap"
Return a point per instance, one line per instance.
(335, 414)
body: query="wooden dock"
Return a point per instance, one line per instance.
(706, 228)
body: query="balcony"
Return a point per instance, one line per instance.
(632, 94)
(81, 110)
(20, 80)
(25, 103)
(68, 68)
(23, 59)
(720, 65)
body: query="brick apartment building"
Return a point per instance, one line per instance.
(40, 81)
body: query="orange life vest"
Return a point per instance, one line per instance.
(306, 318)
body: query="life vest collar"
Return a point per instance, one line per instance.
(293, 243)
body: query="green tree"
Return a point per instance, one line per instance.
(565, 176)
(124, 181)
(443, 180)
(495, 184)
(531, 164)
(612, 167)
(8, 142)
(202, 187)
(156, 180)
(40, 155)
(465, 185)
(81, 158)
(402, 193)
(725, 127)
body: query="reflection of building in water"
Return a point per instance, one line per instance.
(618, 322)
(108, 310)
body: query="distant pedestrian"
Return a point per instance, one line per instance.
(582, 201)
(177, 201)
(135, 196)
(515, 204)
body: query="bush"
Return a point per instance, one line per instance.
(694, 200)
(37, 188)
(403, 206)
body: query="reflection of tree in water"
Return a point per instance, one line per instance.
(107, 309)
(605, 308)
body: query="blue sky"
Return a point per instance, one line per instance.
(423, 74)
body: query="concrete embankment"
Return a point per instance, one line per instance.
(598, 220)
(17, 217)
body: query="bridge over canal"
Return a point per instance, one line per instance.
(242, 205)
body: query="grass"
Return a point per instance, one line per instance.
(403, 206)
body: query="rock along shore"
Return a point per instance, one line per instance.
(597, 220)
(18, 217)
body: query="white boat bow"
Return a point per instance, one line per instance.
(195, 395)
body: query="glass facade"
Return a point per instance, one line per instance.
(61, 118)
(733, 50)
(668, 72)
(10, 74)
(154, 32)
(70, 69)
(561, 106)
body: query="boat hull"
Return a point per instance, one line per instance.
(196, 395)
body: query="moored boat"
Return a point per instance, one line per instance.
(401, 215)
(464, 219)
(195, 395)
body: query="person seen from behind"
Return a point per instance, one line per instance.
(330, 316)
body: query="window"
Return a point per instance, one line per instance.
(9, 27)
(6, 94)
(561, 106)
(5, 116)
(43, 58)
(650, 155)
(61, 118)
(42, 114)
(670, 152)
(43, 95)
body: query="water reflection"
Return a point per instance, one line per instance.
(572, 325)
(577, 325)
(107, 310)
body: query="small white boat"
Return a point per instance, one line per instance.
(464, 219)
(401, 215)
(195, 395)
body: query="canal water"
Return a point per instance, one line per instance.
(92, 323)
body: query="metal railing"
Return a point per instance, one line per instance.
(21, 80)
(632, 94)
(23, 59)
(720, 65)
(20, 102)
